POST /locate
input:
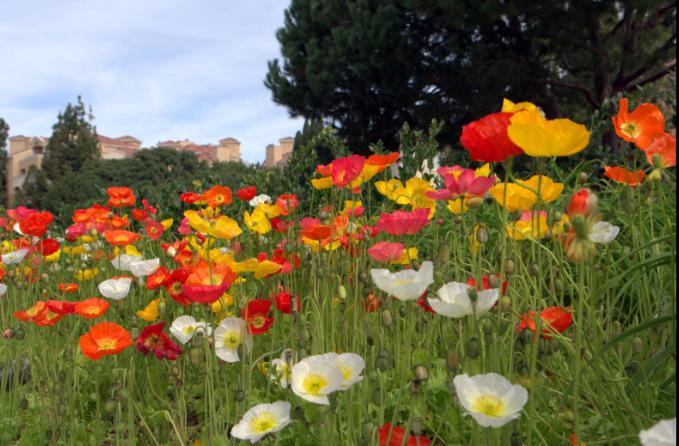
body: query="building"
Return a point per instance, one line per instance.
(228, 149)
(27, 151)
(278, 155)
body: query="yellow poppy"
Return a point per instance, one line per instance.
(510, 107)
(520, 198)
(407, 256)
(257, 221)
(533, 226)
(150, 312)
(86, 274)
(265, 268)
(322, 183)
(222, 227)
(538, 136)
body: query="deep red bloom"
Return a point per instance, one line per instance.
(190, 197)
(255, 314)
(284, 301)
(47, 246)
(554, 320)
(394, 436)
(36, 223)
(281, 225)
(140, 215)
(486, 139)
(62, 307)
(154, 229)
(422, 301)
(153, 338)
(174, 285)
(402, 222)
(347, 169)
(247, 193)
(148, 207)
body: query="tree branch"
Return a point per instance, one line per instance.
(667, 68)
(588, 94)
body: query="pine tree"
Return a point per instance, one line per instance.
(4, 132)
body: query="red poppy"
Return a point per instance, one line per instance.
(62, 307)
(287, 203)
(105, 339)
(486, 139)
(554, 320)
(665, 146)
(68, 287)
(641, 125)
(397, 436)
(140, 215)
(317, 232)
(624, 176)
(148, 207)
(486, 283)
(120, 197)
(422, 302)
(36, 223)
(247, 193)
(284, 301)
(371, 304)
(154, 229)
(583, 202)
(120, 237)
(386, 251)
(174, 285)
(47, 319)
(281, 225)
(402, 222)
(190, 197)
(47, 246)
(347, 169)
(218, 196)
(20, 213)
(153, 339)
(91, 308)
(255, 314)
(383, 161)
(205, 284)
(157, 278)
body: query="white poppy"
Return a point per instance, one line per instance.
(184, 327)
(490, 399)
(141, 268)
(13, 257)
(408, 284)
(454, 300)
(261, 420)
(123, 261)
(351, 365)
(115, 289)
(3, 289)
(283, 368)
(229, 334)
(663, 433)
(603, 233)
(259, 199)
(17, 228)
(316, 377)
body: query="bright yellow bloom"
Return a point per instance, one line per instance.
(86, 239)
(322, 183)
(220, 305)
(265, 268)
(531, 226)
(131, 250)
(407, 256)
(54, 257)
(391, 189)
(270, 210)
(75, 250)
(538, 136)
(413, 193)
(223, 227)
(366, 175)
(150, 313)
(167, 223)
(458, 206)
(520, 198)
(257, 221)
(510, 107)
(86, 274)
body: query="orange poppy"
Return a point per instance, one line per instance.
(317, 232)
(68, 287)
(91, 308)
(639, 126)
(118, 222)
(383, 161)
(218, 196)
(120, 197)
(121, 237)
(624, 176)
(105, 339)
(665, 146)
(35, 312)
(48, 318)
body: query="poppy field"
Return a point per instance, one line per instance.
(467, 305)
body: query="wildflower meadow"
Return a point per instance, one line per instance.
(466, 305)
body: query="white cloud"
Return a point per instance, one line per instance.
(170, 69)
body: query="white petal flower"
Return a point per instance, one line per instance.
(229, 334)
(141, 268)
(352, 366)
(123, 261)
(3, 289)
(259, 199)
(316, 377)
(282, 368)
(454, 300)
(185, 327)
(261, 420)
(663, 433)
(490, 399)
(17, 228)
(408, 284)
(13, 257)
(603, 232)
(115, 289)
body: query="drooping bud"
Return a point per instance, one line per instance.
(342, 292)
(583, 202)
(451, 358)
(509, 267)
(386, 318)
(473, 348)
(637, 344)
(421, 373)
(505, 304)
(482, 234)
(582, 177)
(473, 295)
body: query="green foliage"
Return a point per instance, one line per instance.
(4, 132)
(73, 142)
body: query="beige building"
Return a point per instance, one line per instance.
(228, 149)
(27, 151)
(278, 155)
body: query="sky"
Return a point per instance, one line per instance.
(153, 69)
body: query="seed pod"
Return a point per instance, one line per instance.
(382, 364)
(632, 368)
(377, 397)
(122, 394)
(383, 354)
(421, 373)
(488, 327)
(386, 318)
(582, 177)
(420, 325)
(637, 344)
(473, 348)
(20, 334)
(110, 407)
(528, 336)
(370, 340)
(505, 304)
(509, 267)
(364, 278)
(533, 269)
(368, 429)
(451, 358)
(342, 292)
(482, 234)
(444, 254)
(195, 356)
(402, 311)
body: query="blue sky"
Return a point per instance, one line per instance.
(153, 69)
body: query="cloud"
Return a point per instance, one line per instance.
(170, 69)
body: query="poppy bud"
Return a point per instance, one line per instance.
(8, 333)
(110, 407)
(421, 373)
(342, 292)
(23, 404)
(458, 220)
(402, 311)
(533, 269)
(482, 234)
(509, 267)
(377, 397)
(195, 356)
(505, 304)
(451, 358)
(368, 429)
(473, 295)
(655, 176)
(473, 348)
(583, 202)
(580, 226)
(382, 364)
(582, 177)
(637, 344)
(122, 394)
(239, 395)
(386, 318)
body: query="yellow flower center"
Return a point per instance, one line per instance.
(264, 422)
(630, 129)
(231, 339)
(190, 329)
(314, 383)
(107, 344)
(489, 405)
(346, 372)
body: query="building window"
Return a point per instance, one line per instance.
(37, 150)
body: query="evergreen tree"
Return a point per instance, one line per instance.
(72, 144)
(4, 132)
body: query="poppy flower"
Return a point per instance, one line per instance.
(554, 320)
(386, 251)
(121, 237)
(153, 339)
(218, 196)
(461, 182)
(174, 285)
(257, 221)
(390, 435)
(402, 223)
(664, 146)
(639, 126)
(222, 227)
(531, 225)
(347, 169)
(157, 278)
(104, 339)
(486, 139)
(206, 284)
(408, 284)
(118, 222)
(120, 197)
(91, 308)
(47, 319)
(317, 232)
(284, 301)
(485, 280)
(47, 246)
(287, 203)
(150, 312)
(523, 195)
(255, 315)
(34, 312)
(190, 197)
(491, 399)
(540, 137)
(383, 161)
(36, 223)
(140, 215)
(422, 302)
(583, 202)
(154, 229)
(148, 207)
(68, 287)
(62, 307)
(247, 193)
(624, 176)
(280, 225)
